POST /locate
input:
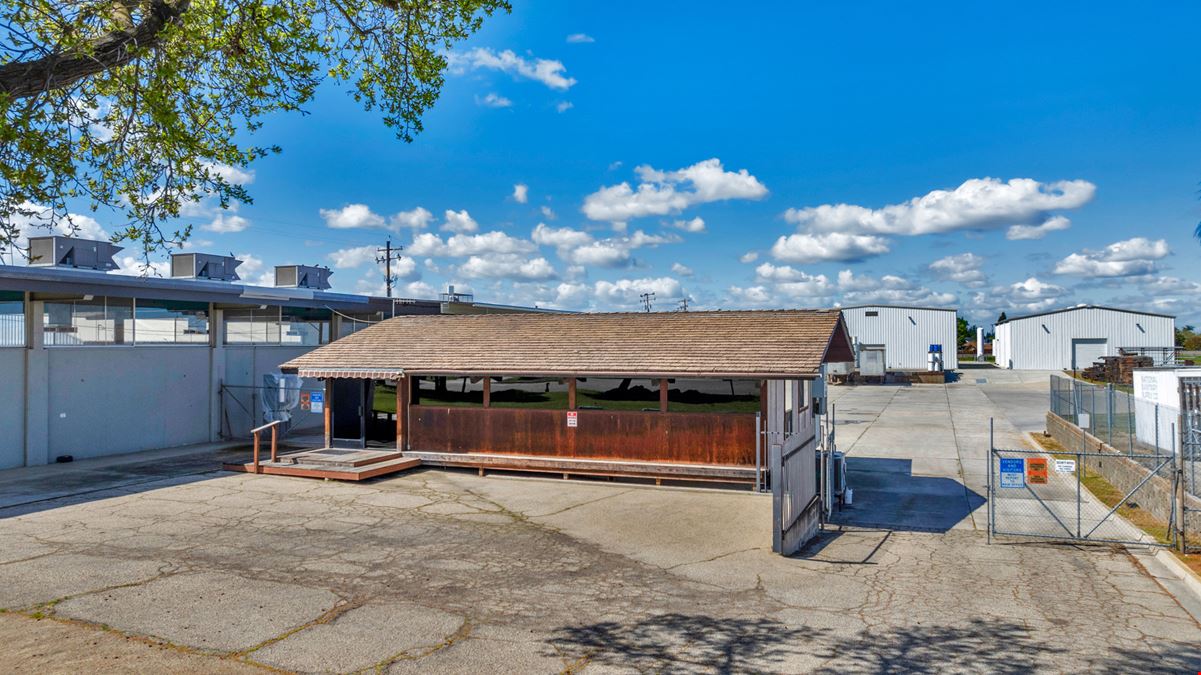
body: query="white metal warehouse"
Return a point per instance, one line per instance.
(1074, 338)
(903, 334)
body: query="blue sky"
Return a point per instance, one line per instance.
(1015, 159)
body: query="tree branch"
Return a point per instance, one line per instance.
(22, 79)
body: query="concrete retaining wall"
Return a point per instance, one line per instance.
(1124, 474)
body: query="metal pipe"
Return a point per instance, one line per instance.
(758, 452)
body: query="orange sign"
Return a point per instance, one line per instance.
(305, 402)
(1036, 471)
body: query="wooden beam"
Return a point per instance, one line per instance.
(571, 393)
(329, 404)
(487, 392)
(663, 395)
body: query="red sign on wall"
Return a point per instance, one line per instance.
(573, 419)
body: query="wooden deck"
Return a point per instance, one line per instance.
(333, 463)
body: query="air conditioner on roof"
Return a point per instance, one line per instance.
(302, 276)
(204, 266)
(83, 254)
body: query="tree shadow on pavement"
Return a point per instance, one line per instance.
(701, 643)
(685, 643)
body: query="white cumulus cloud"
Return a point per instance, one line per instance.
(835, 246)
(521, 193)
(681, 269)
(460, 221)
(977, 204)
(494, 100)
(693, 225)
(580, 38)
(1131, 257)
(352, 216)
(1052, 224)
(965, 268)
(549, 72)
(661, 193)
(506, 266)
(625, 293)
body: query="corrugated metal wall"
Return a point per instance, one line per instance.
(906, 334)
(1045, 342)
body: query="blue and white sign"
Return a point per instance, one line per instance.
(1013, 472)
(317, 401)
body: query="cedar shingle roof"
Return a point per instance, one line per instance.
(753, 344)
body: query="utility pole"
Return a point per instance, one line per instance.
(389, 254)
(683, 305)
(647, 299)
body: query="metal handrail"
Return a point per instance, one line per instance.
(274, 427)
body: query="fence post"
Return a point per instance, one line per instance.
(1178, 495)
(991, 459)
(1079, 480)
(1157, 428)
(1131, 428)
(1109, 413)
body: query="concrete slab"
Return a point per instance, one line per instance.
(366, 637)
(30, 582)
(205, 610)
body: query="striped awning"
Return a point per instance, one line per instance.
(352, 373)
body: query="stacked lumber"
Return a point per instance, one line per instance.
(1116, 369)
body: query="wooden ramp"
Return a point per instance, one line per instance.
(333, 463)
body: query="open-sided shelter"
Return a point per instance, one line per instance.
(668, 395)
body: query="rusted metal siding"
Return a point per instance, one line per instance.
(697, 438)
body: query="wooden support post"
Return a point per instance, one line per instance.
(329, 405)
(274, 442)
(571, 393)
(663, 395)
(487, 392)
(256, 452)
(402, 411)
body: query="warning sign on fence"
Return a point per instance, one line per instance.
(573, 419)
(1065, 466)
(304, 401)
(1013, 471)
(1036, 471)
(317, 401)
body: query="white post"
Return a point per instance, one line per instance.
(979, 343)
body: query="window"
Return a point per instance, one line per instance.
(459, 392)
(12, 319)
(713, 396)
(596, 393)
(789, 407)
(252, 326)
(170, 322)
(546, 393)
(304, 326)
(99, 321)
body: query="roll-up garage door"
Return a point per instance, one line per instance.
(1087, 351)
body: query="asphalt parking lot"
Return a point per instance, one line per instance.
(167, 565)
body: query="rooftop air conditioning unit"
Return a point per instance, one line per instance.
(302, 276)
(204, 266)
(84, 254)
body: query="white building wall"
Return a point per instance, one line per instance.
(906, 333)
(1044, 342)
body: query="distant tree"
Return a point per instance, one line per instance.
(1183, 334)
(143, 106)
(1192, 343)
(966, 333)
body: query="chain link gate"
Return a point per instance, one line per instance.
(1040, 494)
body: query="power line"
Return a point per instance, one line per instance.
(683, 305)
(647, 300)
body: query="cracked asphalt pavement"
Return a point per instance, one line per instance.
(438, 571)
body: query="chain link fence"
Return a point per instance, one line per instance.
(1145, 432)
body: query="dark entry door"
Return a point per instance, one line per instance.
(349, 413)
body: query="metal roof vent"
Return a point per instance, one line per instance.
(204, 266)
(302, 276)
(84, 254)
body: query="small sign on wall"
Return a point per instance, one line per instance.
(573, 419)
(1065, 466)
(316, 401)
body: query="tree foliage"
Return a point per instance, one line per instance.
(142, 106)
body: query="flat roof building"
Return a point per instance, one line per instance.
(1074, 338)
(95, 364)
